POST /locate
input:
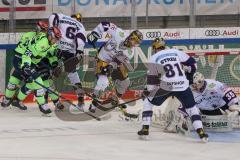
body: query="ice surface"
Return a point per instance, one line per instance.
(26, 135)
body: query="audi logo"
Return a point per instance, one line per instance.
(153, 34)
(212, 33)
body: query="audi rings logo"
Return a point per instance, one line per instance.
(212, 33)
(153, 34)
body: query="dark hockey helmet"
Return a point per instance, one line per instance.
(134, 39)
(77, 16)
(158, 44)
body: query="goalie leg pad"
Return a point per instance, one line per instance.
(220, 123)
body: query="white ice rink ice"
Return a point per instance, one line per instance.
(26, 135)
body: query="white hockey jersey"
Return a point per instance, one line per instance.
(166, 64)
(215, 95)
(73, 32)
(114, 49)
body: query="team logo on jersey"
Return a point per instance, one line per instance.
(121, 34)
(211, 85)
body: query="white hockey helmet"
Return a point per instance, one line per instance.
(198, 81)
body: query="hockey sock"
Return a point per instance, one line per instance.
(12, 87)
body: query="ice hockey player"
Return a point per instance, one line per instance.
(46, 68)
(25, 63)
(213, 97)
(113, 59)
(15, 78)
(165, 78)
(71, 45)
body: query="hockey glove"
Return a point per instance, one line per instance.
(29, 73)
(92, 38)
(27, 69)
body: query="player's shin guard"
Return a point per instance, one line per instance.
(197, 122)
(12, 87)
(43, 106)
(10, 91)
(92, 107)
(24, 91)
(75, 80)
(80, 94)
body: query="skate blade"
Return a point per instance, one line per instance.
(46, 115)
(144, 137)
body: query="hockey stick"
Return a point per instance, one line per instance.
(51, 91)
(100, 105)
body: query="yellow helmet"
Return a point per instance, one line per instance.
(158, 43)
(136, 37)
(77, 16)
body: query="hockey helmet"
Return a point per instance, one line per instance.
(198, 81)
(77, 16)
(157, 44)
(54, 34)
(42, 26)
(134, 39)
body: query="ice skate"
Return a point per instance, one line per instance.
(45, 109)
(19, 104)
(6, 102)
(144, 133)
(202, 135)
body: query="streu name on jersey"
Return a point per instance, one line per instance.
(168, 59)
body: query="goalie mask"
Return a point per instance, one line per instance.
(134, 39)
(158, 44)
(198, 81)
(77, 16)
